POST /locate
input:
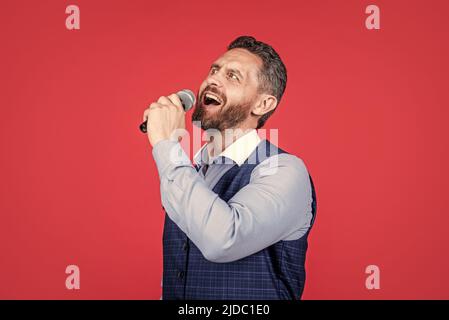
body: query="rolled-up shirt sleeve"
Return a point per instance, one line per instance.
(275, 205)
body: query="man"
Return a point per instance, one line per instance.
(234, 227)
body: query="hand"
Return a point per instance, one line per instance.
(164, 117)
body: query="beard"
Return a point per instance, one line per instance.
(227, 117)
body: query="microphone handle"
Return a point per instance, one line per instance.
(143, 127)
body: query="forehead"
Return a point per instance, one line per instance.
(241, 59)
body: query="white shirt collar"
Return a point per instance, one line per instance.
(238, 151)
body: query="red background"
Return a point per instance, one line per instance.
(367, 110)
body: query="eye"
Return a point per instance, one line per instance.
(213, 70)
(232, 75)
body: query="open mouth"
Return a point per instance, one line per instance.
(210, 99)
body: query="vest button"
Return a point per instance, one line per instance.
(180, 274)
(184, 246)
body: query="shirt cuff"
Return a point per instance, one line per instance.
(168, 156)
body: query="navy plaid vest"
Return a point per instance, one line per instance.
(276, 272)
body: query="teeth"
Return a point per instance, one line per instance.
(212, 96)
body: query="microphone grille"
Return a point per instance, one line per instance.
(187, 98)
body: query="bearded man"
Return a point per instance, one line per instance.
(237, 221)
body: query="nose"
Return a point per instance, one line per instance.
(214, 79)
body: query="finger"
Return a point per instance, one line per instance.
(174, 98)
(145, 115)
(156, 105)
(152, 106)
(164, 100)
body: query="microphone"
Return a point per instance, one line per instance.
(187, 98)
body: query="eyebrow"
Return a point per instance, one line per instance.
(216, 65)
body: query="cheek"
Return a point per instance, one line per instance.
(239, 97)
(235, 94)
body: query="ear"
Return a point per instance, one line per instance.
(266, 104)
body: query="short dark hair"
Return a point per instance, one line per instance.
(272, 76)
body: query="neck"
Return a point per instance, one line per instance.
(219, 141)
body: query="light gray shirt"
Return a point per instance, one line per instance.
(274, 206)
